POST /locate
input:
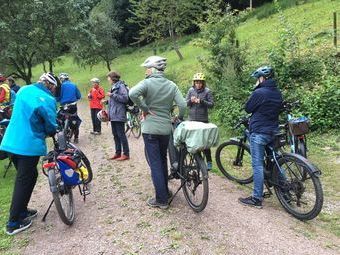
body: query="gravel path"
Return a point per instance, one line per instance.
(116, 220)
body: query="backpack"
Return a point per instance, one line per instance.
(130, 102)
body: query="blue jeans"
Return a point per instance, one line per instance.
(156, 150)
(258, 143)
(118, 131)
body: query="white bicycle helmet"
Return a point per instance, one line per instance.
(103, 116)
(155, 62)
(49, 78)
(95, 80)
(63, 76)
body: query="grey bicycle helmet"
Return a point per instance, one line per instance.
(265, 71)
(64, 76)
(155, 62)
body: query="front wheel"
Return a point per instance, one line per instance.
(234, 161)
(195, 182)
(62, 196)
(136, 127)
(297, 187)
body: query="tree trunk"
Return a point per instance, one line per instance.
(154, 51)
(174, 40)
(44, 67)
(50, 62)
(108, 65)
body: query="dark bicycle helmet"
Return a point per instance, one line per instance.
(265, 71)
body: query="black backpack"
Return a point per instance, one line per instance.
(130, 102)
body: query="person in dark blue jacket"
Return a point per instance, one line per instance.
(33, 118)
(264, 104)
(70, 93)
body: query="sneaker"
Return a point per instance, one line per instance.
(93, 132)
(15, 227)
(251, 201)
(29, 214)
(97, 133)
(123, 157)
(209, 166)
(153, 203)
(115, 156)
(76, 140)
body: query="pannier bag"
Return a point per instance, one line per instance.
(299, 126)
(72, 172)
(196, 135)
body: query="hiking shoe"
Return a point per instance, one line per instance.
(93, 132)
(115, 156)
(251, 201)
(209, 166)
(97, 133)
(153, 203)
(76, 140)
(29, 214)
(15, 227)
(123, 157)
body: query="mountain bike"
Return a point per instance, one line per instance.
(296, 129)
(133, 122)
(295, 180)
(66, 167)
(67, 119)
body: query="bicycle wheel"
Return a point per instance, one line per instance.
(297, 187)
(63, 197)
(234, 161)
(84, 160)
(136, 127)
(195, 183)
(300, 147)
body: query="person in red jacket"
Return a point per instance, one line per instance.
(95, 96)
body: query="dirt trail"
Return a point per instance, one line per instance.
(116, 220)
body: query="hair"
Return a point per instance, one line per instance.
(114, 75)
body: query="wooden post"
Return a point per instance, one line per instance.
(335, 30)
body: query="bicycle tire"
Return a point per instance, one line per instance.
(195, 172)
(136, 127)
(301, 147)
(292, 186)
(85, 161)
(239, 170)
(67, 215)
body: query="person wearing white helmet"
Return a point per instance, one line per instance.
(33, 119)
(95, 96)
(155, 96)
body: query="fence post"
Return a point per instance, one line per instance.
(335, 30)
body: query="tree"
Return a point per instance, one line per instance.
(159, 19)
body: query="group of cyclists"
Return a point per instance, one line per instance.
(35, 109)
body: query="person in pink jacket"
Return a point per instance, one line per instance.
(95, 96)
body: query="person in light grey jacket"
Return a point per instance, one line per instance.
(199, 99)
(118, 98)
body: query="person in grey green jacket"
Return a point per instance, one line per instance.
(155, 96)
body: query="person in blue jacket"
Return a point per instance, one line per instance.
(70, 93)
(264, 104)
(33, 119)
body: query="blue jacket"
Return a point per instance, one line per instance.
(264, 105)
(118, 101)
(33, 118)
(69, 93)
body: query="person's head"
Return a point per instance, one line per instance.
(263, 73)
(113, 77)
(95, 82)
(2, 78)
(49, 80)
(10, 80)
(154, 64)
(198, 80)
(63, 77)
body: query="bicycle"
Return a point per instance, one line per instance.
(296, 129)
(67, 119)
(5, 114)
(66, 167)
(133, 121)
(295, 180)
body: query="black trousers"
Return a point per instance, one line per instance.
(25, 181)
(96, 124)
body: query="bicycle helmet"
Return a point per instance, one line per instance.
(198, 77)
(63, 76)
(155, 62)
(103, 116)
(265, 71)
(49, 77)
(95, 80)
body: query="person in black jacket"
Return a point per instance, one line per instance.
(199, 99)
(264, 104)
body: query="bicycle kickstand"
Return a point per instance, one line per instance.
(172, 198)
(47, 211)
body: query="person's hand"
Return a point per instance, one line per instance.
(103, 101)
(89, 96)
(144, 114)
(197, 101)
(193, 99)
(108, 94)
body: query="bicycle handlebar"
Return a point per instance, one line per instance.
(289, 106)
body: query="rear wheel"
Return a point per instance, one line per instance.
(136, 127)
(195, 184)
(63, 197)
(234, 161)
(299, 190)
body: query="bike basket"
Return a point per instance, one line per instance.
(299, 126)
(70, 176)
(280, 140)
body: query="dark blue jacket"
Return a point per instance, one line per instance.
(118, 101)
(69, 93)
(264, 104)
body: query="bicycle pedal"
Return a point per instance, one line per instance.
(266, 194)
